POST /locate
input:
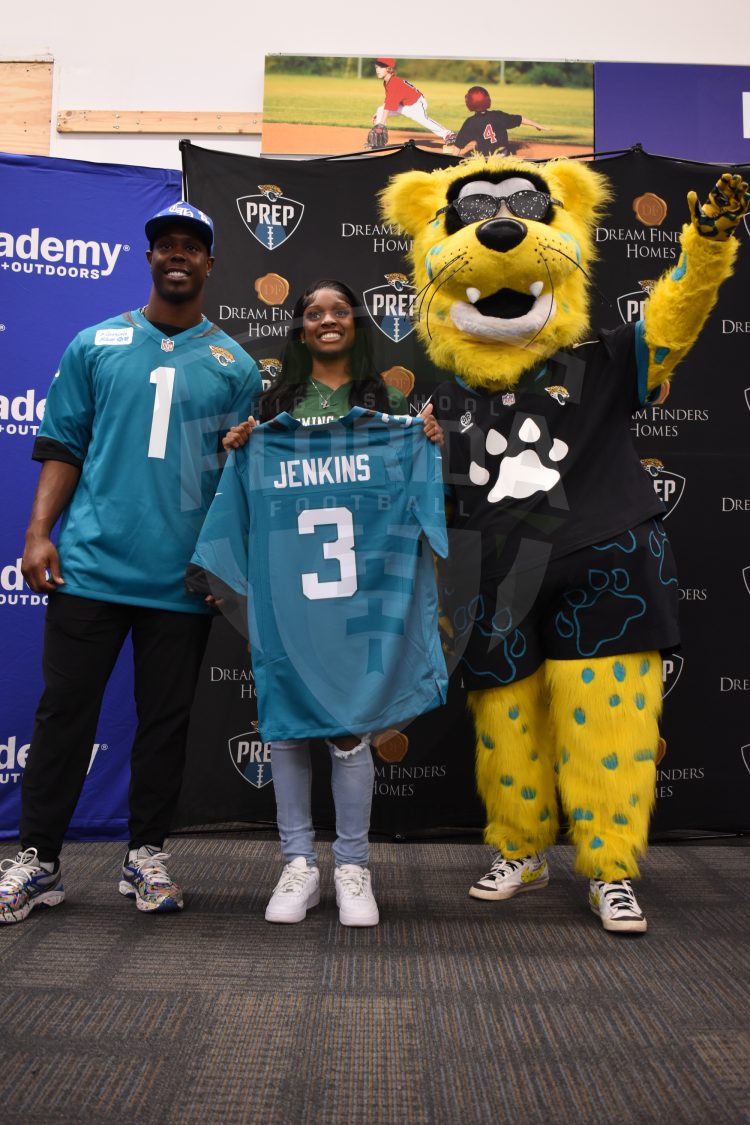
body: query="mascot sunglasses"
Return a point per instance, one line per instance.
(478, 208)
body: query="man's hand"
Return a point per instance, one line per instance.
(720, 215)
(237, 436)
(39, 556)
(432, 428)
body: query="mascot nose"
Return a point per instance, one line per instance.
(501, 234)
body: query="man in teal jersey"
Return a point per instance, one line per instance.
(130, 459)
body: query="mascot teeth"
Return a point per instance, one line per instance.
(536, 287)
(473, 294)
(484, 323)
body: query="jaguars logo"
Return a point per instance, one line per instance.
(223, 356)
(652, 465)
(559, 394)
(269, 369)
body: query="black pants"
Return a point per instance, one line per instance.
(81, 642)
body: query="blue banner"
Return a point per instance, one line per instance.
(71, 253)
(688, 112)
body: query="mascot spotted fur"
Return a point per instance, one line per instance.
(562, 592)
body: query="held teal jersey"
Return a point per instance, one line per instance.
(141, 414)
(327, 529)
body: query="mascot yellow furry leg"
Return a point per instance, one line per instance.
(538, 452)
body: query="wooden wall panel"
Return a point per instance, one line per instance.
(25, 107)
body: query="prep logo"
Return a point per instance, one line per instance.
(46, 254)
(745, 754)
(271, 217)
(671, 670)
(668, 486)
(630, 305)
(251, 757)
(390, 306)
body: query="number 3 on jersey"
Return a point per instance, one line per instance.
(341, 549)
(163, 377)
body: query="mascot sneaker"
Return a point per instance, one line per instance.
(354, 897)
(146, 879)
(296, 892)
(617, 906)
(508, 877)
(24, 884)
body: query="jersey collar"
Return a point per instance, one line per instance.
(180, 338)
(286, 421)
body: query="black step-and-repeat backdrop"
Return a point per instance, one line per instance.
(282, 224)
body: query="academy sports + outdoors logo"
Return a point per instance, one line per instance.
(271, 217)
(22, 414)
(52, 256)
(14, 591)
(13, 759)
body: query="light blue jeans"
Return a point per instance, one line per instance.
(352, 781)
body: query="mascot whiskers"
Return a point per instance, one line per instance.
(573, 592)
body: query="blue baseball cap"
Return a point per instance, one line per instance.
(184, 214)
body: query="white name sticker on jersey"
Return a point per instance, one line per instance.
(114, 336)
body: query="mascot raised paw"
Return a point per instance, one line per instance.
(563, 618)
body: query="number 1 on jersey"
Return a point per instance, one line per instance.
(163, 377)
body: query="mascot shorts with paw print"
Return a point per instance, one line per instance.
(572, 592)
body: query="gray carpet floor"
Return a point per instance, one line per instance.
(450, 1011)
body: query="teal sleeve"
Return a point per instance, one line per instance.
(426, 482)
(222, 547)
(69, 409)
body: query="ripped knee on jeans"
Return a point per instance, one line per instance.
(338, 752)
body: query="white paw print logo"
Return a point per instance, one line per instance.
(524, 474)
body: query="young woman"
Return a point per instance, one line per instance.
(327, 367)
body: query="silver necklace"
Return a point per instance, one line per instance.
(324, 399)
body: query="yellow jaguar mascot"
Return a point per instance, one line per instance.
(562, 591)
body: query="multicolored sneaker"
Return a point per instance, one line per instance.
(508, 877)
(617, 906)
(24, 884)
(296, 892)
(354, 897)
(145, 878)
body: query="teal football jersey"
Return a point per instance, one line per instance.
(327, 529)
(142, 414)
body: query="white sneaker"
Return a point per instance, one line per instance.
(296, 892)
(354, 897)
(25, 884)
(508, 877)
(617, 906)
